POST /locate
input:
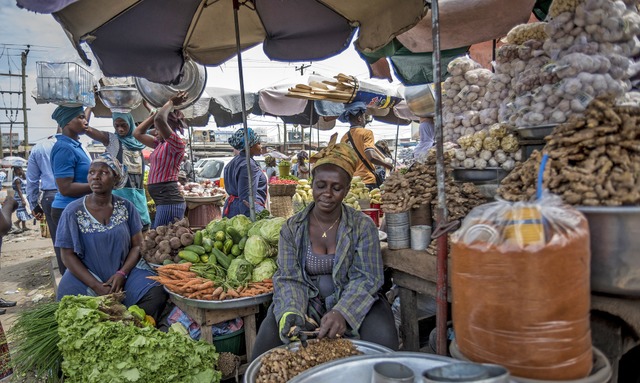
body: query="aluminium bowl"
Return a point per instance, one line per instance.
(120, 98)
(193, 81)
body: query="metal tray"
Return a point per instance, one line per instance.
(367, 348)
(359, 369)
(382, 235)
(539, 131)
(486, 175)
(220, 305)
(214, 198)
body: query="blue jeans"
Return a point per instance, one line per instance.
(45, 203)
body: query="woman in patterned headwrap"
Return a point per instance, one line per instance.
(168, 150)
(123, 146)
(236, 178)
(100, 237)
(329, 265)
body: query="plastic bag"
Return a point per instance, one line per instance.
(520, 284)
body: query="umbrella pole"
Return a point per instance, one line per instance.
(310, 125)
(441, 210)
(395, 153)
(247, 148)
(192, 176)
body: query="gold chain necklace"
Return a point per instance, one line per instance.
(324, 232)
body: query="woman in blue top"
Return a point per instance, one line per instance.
(99, 236)
(236, 179)
(69, 161)
(124, 147)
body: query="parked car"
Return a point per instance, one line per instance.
(197, 167)
(212, 169)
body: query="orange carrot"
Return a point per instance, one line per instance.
(176, 266)
(231, 293)
(216, 293)
(222, 296)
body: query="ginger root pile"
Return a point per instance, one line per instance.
(594, 160)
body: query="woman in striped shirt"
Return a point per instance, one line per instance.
(165, 159)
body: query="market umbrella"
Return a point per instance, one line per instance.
(157, 36)
(226, 105)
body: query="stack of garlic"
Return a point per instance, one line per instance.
(591, 42)
(492, 148)
(462, 98)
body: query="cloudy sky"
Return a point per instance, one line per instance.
(19, 28)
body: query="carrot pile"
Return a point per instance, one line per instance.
(178, 278)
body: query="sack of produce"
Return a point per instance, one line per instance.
(520, 285)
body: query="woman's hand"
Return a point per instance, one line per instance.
(115, 283)
(179, 98)
(332, 324)
(102, 289)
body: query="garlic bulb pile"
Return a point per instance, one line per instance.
(590, 42)
(496, 147)
(462, 98)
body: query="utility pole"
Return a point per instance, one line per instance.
(301, 68)
(23, 58)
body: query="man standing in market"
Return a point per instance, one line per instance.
(362, 141)
(40, 179)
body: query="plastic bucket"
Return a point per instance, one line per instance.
(398, 232)
(284, 170)
(374, 214)
(231, 342)
(600, 373)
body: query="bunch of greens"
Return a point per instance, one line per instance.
(34, 343)
(96, 348)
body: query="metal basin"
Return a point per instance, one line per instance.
(420, 99)
(615, 249)
(367, 348)
(120, 99)
(193, 81)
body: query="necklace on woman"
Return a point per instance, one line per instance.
(324, 232)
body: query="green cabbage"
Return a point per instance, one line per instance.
(256, 249)
(255, 228)
(240, 270)
(270, 230)
(241, 223)
(264, 270)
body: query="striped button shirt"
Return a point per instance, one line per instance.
(165, 159)
(357, 270)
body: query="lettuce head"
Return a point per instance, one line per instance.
(256, 249)
(264, 270)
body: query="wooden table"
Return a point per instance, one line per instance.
(414, 272)
(205, 318)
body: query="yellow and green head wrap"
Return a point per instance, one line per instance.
(341, 155)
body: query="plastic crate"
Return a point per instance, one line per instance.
(65, 83)
(232, 342)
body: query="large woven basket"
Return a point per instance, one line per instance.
(281, 206)
(282, 190)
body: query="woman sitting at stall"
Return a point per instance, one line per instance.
(168, 150)
(271, 167)
(128, 151)
(236, 178)
(329, 266)
(100, 236)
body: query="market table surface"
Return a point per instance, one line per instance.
(414, 272)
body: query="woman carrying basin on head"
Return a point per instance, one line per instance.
(329, 265)
(128, 151)
(168, 150)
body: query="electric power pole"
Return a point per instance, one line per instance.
(23, 57)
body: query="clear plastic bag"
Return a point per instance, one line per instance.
(520, 283)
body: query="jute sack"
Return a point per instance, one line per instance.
(524, 302)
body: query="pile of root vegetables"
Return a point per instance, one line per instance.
(594, 159)
(164, 242)
(207, 282)
(402, 192)
(281, 364)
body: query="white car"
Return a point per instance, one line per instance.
(212, 169)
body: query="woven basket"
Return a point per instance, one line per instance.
(282, 190)
(281, 206)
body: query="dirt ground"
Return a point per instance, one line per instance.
(25, 271)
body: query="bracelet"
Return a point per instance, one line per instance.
(120, 272)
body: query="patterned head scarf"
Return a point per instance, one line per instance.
(352, 109)
(120, 173)
(341, 155)
(64, 114)
(237, 139)
(128, 141)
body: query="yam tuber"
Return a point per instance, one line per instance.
(186, 239)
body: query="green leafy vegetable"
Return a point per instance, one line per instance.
(96, 349)
(256, 249)
(241, 223)
(264, 270)
(215, 226)
(255, 228)
(240, 270)
(270, 230)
